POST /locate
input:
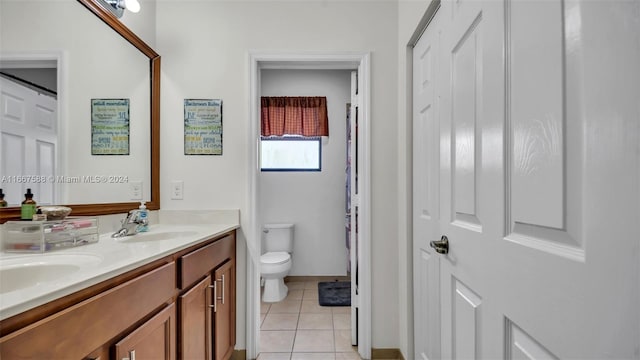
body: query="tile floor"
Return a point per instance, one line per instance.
(298, 328)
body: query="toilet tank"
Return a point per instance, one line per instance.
(278, 237)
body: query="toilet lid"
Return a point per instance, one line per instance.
(275, 257)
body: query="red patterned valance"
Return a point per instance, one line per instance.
(301, 115)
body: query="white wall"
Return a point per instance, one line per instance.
(143, 23)
(204, 47)
(313, 201)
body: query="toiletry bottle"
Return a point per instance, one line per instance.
(28, 207)
(39, 216)
(144, 217)
(3, 202)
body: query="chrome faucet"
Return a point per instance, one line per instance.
(130, 224)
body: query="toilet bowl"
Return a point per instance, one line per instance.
(276, 262)
(274, 266)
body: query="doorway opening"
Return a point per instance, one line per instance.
(359, 63)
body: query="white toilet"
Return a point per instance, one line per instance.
(275, 262)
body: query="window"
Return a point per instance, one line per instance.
(291, 154)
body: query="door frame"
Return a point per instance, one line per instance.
(312, 61)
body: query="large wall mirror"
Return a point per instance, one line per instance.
(63, 56)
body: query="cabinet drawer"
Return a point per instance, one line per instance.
(194, 265)
(78, 330)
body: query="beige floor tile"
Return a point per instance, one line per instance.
(311, 285)
(342, 321)
(275, 321)
(343, 340)
(313, 356)
(312, 306)
(295, 285)
(353, 355)
(341, 309)
(294, 294)
(310, 294)
(315, 322)
(276, 341)
(262, 316)
(285, 306)
(314, 341)
(264, 308)
(274, 356)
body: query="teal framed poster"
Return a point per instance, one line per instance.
(109, 126)
(203, 127)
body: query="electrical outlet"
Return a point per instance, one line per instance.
(177, 188)
(135, 189)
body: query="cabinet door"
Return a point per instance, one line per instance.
(195, 323)
(153, 340)
(225, 311)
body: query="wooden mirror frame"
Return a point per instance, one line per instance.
(13, 213)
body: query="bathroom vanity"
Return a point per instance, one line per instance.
(166, 294)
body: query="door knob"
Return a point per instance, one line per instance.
(441, 246)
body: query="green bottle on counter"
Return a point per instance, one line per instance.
(3, 202)
(28, 207)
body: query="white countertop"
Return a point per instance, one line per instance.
(96, 262)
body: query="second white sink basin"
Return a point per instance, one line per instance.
(26, 271)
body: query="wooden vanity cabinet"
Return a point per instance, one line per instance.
(90, 324)
(207, 324)
(153, 340)
(195, 321)
(160, 311)
(224, 311)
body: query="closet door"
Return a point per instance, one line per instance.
(428, 79)
(539, 181)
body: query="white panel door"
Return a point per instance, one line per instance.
(28, 128)
(353, 210)
(539, 180)
(426, 207)
(471, 177)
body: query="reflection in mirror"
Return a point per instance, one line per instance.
(48, 149)
(117, 7)
(29, 128)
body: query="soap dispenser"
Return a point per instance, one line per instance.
(143, 215)
(3, 202)
(28, 207)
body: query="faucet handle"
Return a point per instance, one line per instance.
(131, 217)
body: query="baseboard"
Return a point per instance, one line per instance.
(316, 278)
(239, 355)
(386, 354)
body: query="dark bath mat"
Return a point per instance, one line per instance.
(334, 293)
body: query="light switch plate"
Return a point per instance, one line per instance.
(177, 187)
(135, 189)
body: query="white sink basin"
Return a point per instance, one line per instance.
(155, 236)
(26, 271)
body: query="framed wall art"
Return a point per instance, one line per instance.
(203, 127)
(109, 126)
